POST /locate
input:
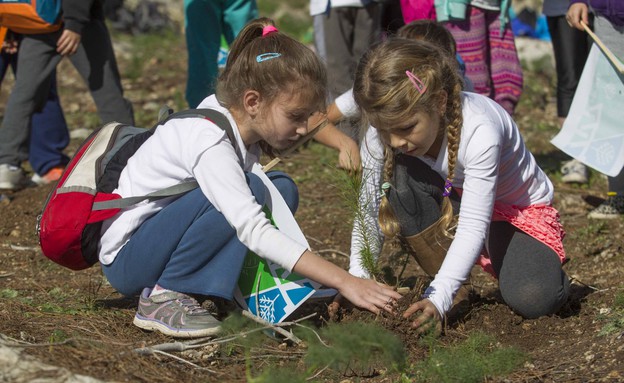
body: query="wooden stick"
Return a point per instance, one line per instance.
(296, 145)
(614, 60)
(283, 332)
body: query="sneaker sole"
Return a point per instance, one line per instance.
(152, 325)
(574, 179)
(603, 216)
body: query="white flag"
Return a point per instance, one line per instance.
(593, 132)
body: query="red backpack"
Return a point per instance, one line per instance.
(31, 16)
(69, 226)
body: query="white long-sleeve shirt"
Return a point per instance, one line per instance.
(195, 148)
(493, 165)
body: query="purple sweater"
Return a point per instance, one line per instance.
(613, 10)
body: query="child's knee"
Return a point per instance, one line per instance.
(284, 184)
(287, 188)
(257, 187)
(534, 299)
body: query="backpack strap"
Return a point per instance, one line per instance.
(121, 203)
(214, 116)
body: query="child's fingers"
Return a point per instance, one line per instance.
(418, 306)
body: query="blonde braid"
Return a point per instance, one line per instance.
(453, 132)
(388, 222)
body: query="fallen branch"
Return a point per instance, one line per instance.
(24, 248)
(201, 342)
(277, 327)
(184, 361)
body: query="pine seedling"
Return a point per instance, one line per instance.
(615, 317)
(472, 360)
(357, 202)
(356, 347)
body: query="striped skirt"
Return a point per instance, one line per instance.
(492, 62)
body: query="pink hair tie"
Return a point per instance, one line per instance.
(268, 29)
(418, 84)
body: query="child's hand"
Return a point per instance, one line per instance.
(9, 45)
(576, 13)
(349, 156)
(68, 43)
(428, 317)
(370, 295)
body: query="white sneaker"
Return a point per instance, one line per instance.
(12, 177)
(612, 207)
(574, 172)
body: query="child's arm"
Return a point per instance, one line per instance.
(330, 135)
(76, 15)
(364, 293)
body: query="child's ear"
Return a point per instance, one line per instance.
(251, 102)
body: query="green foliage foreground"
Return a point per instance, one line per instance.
(366, 349)
(473, 360)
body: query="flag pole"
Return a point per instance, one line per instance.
(614, 60)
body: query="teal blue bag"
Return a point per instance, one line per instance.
(449, 10)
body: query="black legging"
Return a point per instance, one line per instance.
(530, 276)
(571, 47)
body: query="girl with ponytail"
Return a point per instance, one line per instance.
(173, 249)
(458, 185)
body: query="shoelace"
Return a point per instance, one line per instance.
(191, 306)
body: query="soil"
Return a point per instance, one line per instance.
(91, 324)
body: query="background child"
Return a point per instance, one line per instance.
(609, 27)
(49, 135)
(570, 48)
(345, 107)
(205, 21)
(411, 92)
(196, 244)
(486, 42)
(86, 41)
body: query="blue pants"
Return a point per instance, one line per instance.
(189, 246)
(205, 22)
(48, 134)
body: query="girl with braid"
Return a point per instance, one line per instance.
(456, 185)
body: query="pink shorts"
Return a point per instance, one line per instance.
(540, 222)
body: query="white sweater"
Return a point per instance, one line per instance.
(195, 148)
(493, 165)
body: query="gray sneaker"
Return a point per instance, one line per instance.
(12, 177)
(613, 207)
(574, 172)
(174, 314)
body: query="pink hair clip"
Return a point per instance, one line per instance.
(448, 185)
(268, 29)
(418, 84)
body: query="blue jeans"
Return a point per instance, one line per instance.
(205, 22)
(189, 246)
(48, 132)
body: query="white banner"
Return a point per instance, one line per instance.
(593, 132)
